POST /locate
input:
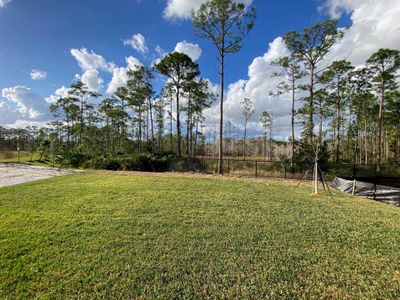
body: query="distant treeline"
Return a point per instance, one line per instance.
(346, 113)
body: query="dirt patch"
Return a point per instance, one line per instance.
(289, 182)
(11, 174)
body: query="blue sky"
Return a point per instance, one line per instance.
(39, 35)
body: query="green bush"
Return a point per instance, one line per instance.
(112, 164)
(161, 164)
(186, 164)
(141, 162)
(74, 159)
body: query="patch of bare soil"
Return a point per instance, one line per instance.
(12, 173)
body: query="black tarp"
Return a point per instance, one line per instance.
(373, 191)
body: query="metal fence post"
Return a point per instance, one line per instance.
(285, 171)
(256, 164)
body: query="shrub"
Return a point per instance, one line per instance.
(141, 162)
(145, 163)
(112, 164)
(161, 164)
(136, 163)
(74, 159)
(186, 164)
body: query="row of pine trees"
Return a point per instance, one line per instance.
(340, 112)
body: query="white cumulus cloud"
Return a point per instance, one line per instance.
(61, 92)
(137, 42)
(191, 50)
(92, 79)
(28, 103)
(3, 3)
(91, 65)
(182, 9)
(120, 76)
(7, 115)
(38, 75)
(89, 60)
(257, 88)
(375, 25)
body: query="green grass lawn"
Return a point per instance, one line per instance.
(25, 157)
(12, 156)
(109, 236)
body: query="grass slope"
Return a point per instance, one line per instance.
(26, 158)
(108, 236)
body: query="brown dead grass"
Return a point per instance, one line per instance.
(261, 180)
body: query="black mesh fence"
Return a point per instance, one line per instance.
(297, 170)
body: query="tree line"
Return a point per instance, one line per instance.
(338, 112)
(349, 113)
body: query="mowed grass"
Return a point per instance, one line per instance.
(25, 157)
(12, 156)
(110, 236)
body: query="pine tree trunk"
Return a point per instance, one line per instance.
(310, 125)
(151, 123)
(178, 123)
(188, 125)
(221, 122)
(140, 131)
(293, 115)
(381, 104)
(244, 139)
(170, 128)
(366, 141)
(338, 124)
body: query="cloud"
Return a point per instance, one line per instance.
(91, 64)
(182, 9)
(22, 107)
(159, 54)
(14, 119)
(3, 3)
(257, 88)
(137, 42)
(120, 76)
(132, 62)
(23, 123)
(192, 50)
(335, 8)
(7, 115)
(160, 51)
(61, 92)
(374, 25)
(28, 103)
(90, 60)
(38, 75)
(92, 79)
